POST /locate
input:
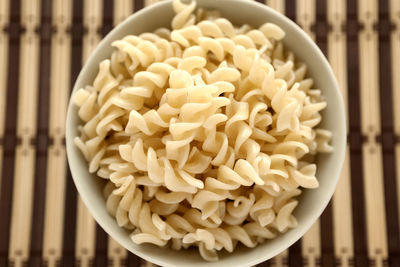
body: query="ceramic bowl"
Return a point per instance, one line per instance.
(312, 202)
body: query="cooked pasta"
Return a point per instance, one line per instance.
(205, 133)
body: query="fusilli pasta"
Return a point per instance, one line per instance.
(204, 133)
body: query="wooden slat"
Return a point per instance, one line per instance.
(54, 218)
(342, 214)
(395, 48)
(92, 20)
(85, 234)
(148, 264)
(370, 127)
(278, 5)
(150, 2)
(122, 9)
(280, 260)
(41, 140)
(116, 253)
(311, 242)
(386, 137)
(370, 118)
(337, 45)
(26, 130)
(10, 135)
(4, 16)
(397, 151)
(56, 162)
(138, 4)
(305, 16)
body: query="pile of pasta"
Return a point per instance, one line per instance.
(205, 133)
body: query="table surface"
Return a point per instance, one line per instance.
(43, 44)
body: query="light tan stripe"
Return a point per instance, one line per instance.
(26, 130)
(116, 253)
(305, 16)
(56, 160)
(148, 264)
(85, 235)
(342, 214)
(337, 53)
(60, 60)
(122, 9)
(86, 227)
(150, 2)
(55, 196)
(280, 260)
(376, 227)
(395, 49)
(311, 245)
(311, 241)
(3, 63)
(370, 118)
(278, 5)
(92, 20)
(395, 46)
(368, 46)
(4, 14)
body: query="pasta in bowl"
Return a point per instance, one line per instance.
(204, 134)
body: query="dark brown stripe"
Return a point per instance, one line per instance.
(108, 10)
(42, 139)
(290, 9)
(132, 260)
(295, 257)
(70, 208)
(326, 222)
(321, 25)
(327, 249)
(355, 137)
(10, 139)
(69, 236)
(138, 4)
(387, 136)
(261, 1)
(101, 259)
(264, 264)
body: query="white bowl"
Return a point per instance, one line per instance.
(312, 202)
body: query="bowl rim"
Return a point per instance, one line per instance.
(340, 146)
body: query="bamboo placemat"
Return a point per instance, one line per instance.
(43, 44)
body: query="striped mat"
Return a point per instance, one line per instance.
(43, 44)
